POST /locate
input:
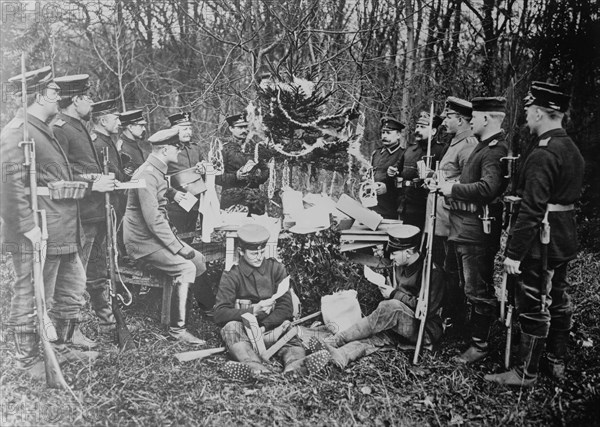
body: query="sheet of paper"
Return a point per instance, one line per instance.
(282, 288)
(188, 201)
(375, 278)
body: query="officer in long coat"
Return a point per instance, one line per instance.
(543, 237)
(134, 150)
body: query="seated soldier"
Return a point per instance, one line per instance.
(148, 236)
(393, 322)
(256, 279)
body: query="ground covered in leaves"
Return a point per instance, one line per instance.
(148, 386)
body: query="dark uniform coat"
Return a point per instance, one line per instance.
(552, 173)
(53, 165)
(115, 165)
(255, 284)
(77, 144)
(187, 158)
(481, 182)
(136, 153)
(146, 227)
(381, 159)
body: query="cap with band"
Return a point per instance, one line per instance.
(424, 120)
(35, 81)
(390, 123)
(168, 136)
(132, 117)
(101, 108)
(458, 105)
(181, 119)
(547, 95)
(496, 104)
(237, 120)
(403, 236)
(75, 85)
(253, 236)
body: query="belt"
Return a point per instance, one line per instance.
(554, 207)
(459, 205)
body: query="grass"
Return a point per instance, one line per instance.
(148, 386)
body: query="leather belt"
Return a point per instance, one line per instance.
(553, 207)
(459, 205)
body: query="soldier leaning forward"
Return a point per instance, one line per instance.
(63, 273)
(476, 219)
(543, 237)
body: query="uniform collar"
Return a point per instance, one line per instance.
(553, 132)
(498, 135)
(460, 136)
(157, 163)
(247, 269)
(71, 120)
(391, 151)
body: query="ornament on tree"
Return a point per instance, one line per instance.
(285, 178)
(215, 156)
(368, 190)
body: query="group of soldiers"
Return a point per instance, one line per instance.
(470, 175)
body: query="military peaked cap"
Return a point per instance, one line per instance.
(35, 81)
(237, 120)
(495, 104)
(547, 95)
(403, 237)
(168, 136)
(424, 120)
(253, 236)
(77, 84)
(101, 108)
(132, 117)
(458, 105)
(390, 123)
(182, 119)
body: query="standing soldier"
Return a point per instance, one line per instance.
(106, 121)
(384, 161)
(63, 273)
(72, 135)
(133, 150)
(241, 180)
(476, 219)
(413, 198)
(543, 237)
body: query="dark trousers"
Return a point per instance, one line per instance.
(476, 272)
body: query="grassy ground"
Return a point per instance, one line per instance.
(148, 386)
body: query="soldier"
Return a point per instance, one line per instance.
(457, 116)
(148, 235)
(71, 133)
(476, 219)
(241, 180)
(106, 121)
(189, 157)
(413, 197)
(133, 149)
(549, 184)
(256, 279)
(393, 321)
(384, 161)
(63, 273)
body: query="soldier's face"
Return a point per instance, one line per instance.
(451, 122)
(390, 137)
(111, 123)
(83, 106)
(239, 132)
(531, 118)
(478, 123)
(254, 257)
(136, 130)
(401, 257)
(422, 132)
(185, 133)
(50, 101)
(171, 153)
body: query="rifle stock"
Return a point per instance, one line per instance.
(124, 338)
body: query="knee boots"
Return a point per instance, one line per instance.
(361, 329)
(480, 331)
(178, 311)
(556, 346)
(69, 333)
(525, 372)
(101, 306)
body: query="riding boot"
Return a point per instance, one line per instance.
(243, 352)
(27, 354)
(557, 343)
(525, 372)
(480, 331)
(361, 329)
(293, 358)
(69, 333)
(178, 310)
(101, 306)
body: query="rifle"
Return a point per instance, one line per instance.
(54, 376)
(124, 338)
(423, 301)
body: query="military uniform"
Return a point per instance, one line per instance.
(148, 236)
(134, 152)
(381, 159)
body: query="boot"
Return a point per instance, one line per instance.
(350, 352)
(69, 333)
(101, 306)
(293, 358)
(480, 331)
(558, 340)
(243, 352)
(203, 293)
(65, 354)
(27, 355)
(361, 329)
(178, 309)
(525, 373)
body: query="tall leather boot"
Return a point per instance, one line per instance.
(350, 352)
(69, 333)
(101, 306)
(480, 332)
(525, 372)
(556, 346)
(178, 310)
(293, 358)
(243, 352)
(203, 293)
(361, 329)
(27, 354)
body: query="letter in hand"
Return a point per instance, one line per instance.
(187, 252)
(104, 183)
(178, 197)
(200, 168)
(263, 306)
(511, 266)
(386, 291)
